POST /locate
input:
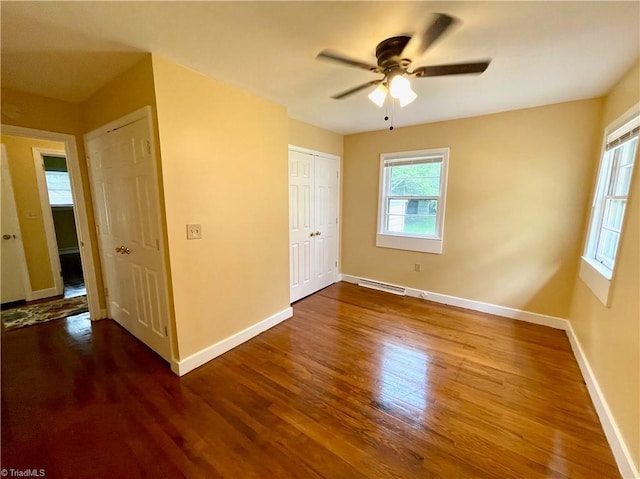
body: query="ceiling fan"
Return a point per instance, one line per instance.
(394, 65)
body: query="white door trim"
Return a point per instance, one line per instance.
(47, 215)
(314, 152)
(79, 210)
(22, 259)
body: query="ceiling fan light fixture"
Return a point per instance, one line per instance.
(398, 86)
(378, 95)
(407, 97)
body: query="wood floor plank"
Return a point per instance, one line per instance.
(358, 384)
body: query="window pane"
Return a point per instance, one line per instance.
(424, 225)
(629, 152)
(418, 225)
(412, 216)
(607, 247)
(59, 187)
(415, 180)
(613, 213)
(623, 179)
(622, 163)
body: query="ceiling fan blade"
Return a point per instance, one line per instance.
(338, 57)
(351, 91)
(454, 69)
(421, 41)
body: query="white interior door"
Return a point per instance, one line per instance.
(326, 221)
(313, 223)
(301, 232)
(13, 260)
(127, 207)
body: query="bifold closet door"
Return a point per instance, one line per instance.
(313, 222)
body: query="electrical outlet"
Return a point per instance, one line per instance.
(194, 232)
(416, 267)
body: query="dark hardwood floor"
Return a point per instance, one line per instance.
(358, 384)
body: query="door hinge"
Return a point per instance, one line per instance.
(106, 291)
(158, 245)
(336, 264)
(166, 332)
(148, 147)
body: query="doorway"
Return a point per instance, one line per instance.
(57, 197)
(83, 247)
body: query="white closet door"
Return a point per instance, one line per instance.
(301, 173)
(313, 245)
(326, 219)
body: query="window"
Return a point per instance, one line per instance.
(609, 204)
(412, 200)
(59, 188)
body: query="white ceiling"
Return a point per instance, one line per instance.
(543, 52)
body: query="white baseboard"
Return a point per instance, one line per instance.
(190, 363)
(620, 451)
(614, 437)
(42, 294)
(536, 318)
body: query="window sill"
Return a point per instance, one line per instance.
(597, 278)
(410, 243)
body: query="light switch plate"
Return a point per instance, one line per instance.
(194, 232)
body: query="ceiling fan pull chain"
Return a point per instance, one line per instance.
(393, 107)
(389, 105)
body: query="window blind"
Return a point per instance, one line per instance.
(623, 134)
(412, 161)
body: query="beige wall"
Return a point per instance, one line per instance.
(315, 138)
(610, 336)
(30, 214)
(517, 190)
(126, 93)
(41, 113)
(224, 162)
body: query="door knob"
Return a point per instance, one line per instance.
(126, 250)
(312, 235)
(6, 236)
(119, 249)
(318, 233)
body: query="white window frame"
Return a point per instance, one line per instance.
(405, 241)
(595, 272)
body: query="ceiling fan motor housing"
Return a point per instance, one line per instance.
(389, 51)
